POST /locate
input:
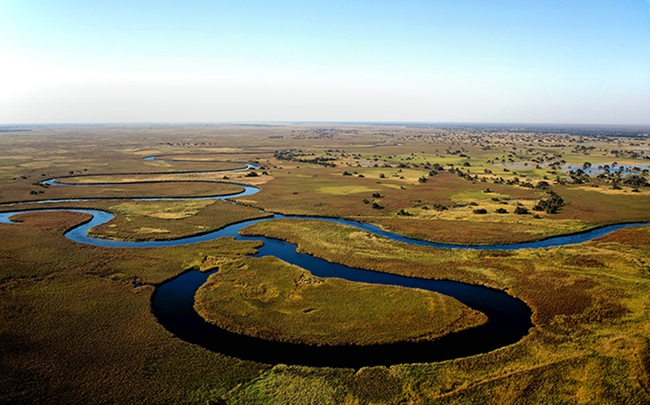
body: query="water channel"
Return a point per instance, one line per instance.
(172, 302)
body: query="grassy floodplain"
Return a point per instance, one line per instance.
(161, 220)
(270, 299)
(76, 329)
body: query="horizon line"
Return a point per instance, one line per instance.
(308, 122)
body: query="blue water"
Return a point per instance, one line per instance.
(79, 234)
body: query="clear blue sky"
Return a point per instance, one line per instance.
(437, 61)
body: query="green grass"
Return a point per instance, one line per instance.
(75, 330)
(156, 220)
(23, 192)
(589, 303)
(271, 299)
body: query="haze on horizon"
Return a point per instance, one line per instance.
(427, 61)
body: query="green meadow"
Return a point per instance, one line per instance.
(270, 299)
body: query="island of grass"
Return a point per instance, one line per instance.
(271, 299)
(166, 220)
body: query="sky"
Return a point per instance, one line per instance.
(482, 61)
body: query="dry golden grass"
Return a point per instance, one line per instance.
(154, 220)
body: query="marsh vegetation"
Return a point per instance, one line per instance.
(270, 299)
(590, 340)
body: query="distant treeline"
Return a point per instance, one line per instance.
(290, 156)
(14, 130)
(590, 131)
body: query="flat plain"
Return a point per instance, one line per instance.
(77, 325)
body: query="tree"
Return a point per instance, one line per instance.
(521, 210)
(550, 205)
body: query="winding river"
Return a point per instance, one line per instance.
(172, 302)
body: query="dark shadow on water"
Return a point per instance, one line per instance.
(509, 320)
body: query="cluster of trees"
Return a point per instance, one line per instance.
(292, 157)
(463, 174)
(550, 205)
(578, 176)
(519, 210)
(635, 180)
(375, 205)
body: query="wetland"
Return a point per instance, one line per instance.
(393, 205)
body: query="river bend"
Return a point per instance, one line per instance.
(172, 301)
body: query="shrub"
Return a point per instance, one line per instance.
(521, 211)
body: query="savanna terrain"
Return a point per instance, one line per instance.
(76, 321)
